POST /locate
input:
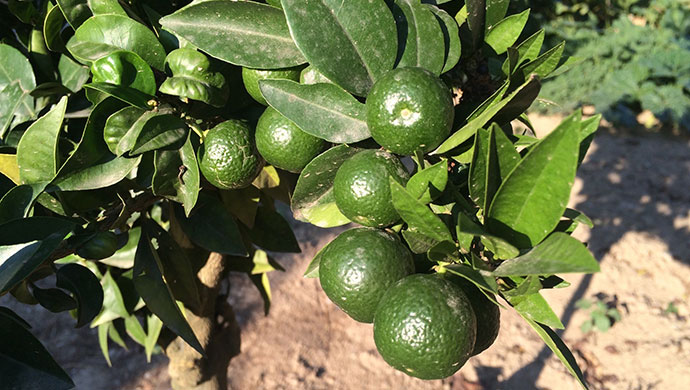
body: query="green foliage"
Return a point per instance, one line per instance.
(602, 315)
(111, 125)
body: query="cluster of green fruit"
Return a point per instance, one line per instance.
(426, 325)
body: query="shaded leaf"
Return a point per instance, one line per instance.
(98, 176)
(75, 11)
(53, 299)
(272, 232)
(451, 36)
(18, 201)
(418, 215)
(161, 132)
(424, 44)
(124, 93)
(428, 184)
(85, 287)
(176, 175)
(498, 246)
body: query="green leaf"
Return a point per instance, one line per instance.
(123, 128)
(15, 67)
(104, 7)
(161, 132)
(272, 232)
(480, 278)
(73, 75)
(535, 307)
(498, 246)
(103, 341)
(417, 214)
(18, 201)
(424, 44)
(149, 283)
(312, 270)
(588, 128)
(176, 175)
(126, 69)
(578, 216)
(476, 19)
(527, 50)
(16, 106)
(9, 168)
(97, 176)
(505, 33)
(126, 94)
(86, 289)
(558, 253)
(53, 23)
(154, 326)
(75, 11)
(24, 362)
(451, 37)
(264, 286)
(545, 63)
(495, 11)
(194, 77)
(113, 303)
(242, 203)
(135, 331)
(322, 110)
(361, 39)
(242, 33)
(101, 35)
(531, 200)
(428, 184)
(53, 299)
(124, 257)
(313, 200)
(37, 152)
(469, 130)
(25, 244)
(212, 227)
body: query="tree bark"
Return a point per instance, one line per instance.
(215, 326)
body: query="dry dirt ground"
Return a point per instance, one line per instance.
(636, 188)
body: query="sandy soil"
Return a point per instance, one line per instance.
(636, 188)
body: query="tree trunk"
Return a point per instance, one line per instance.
(215, 326)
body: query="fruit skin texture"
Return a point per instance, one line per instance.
(409, 109)
(425, 327)
(228, 158)
(487, 313)
(251, 77)
(283, 144)
(357, 268)
(102, 245)
(362, 189)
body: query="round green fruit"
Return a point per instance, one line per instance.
(408, 110)
(362, 188)
(357, 268)
(487, 313)
(251, 78)
(102, 245)
(228, 158)
(283, 144)
(425, 326)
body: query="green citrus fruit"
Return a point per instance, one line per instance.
(102, 245)
(358, 266)
(362, 189)
(487, 313)
(409, 109)
(228, 158)
(251, 78)
(283, 144)
(425, 327)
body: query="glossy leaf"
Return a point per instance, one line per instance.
(195, 78)
(104, 7)
(545, 63)
(98, 176)
(527, 50)
(101, 35)
(24, 362)
(176, 175)
(558, 253)
(212, 227)
(123, 128)
(126, 94)
(313, 200)
(124, 257)
(16, 82)
(498, 246)
(149, 282)
(272, 232)
(505, 33)
(417, 214)
(362, 39)
(37, 152)
(85, 287)
(482, 279)
(52, 27)
(476, 19)
(424, 45)
(126, 69)
(161, 132)
(322, 110)
(25, 244)
(75, 11)
(531, 200)
(242, 33)
(73, 75)
(428, 184)
(18, 201)
(451, 37)
(53, 299)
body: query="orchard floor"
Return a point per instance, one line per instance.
(636, 188)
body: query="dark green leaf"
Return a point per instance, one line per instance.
(72, 74)
(161, 132)
(194, 77)
(17, 202)
(498, 246)
(242, 33)
(264, 286)
(177, 175)
(53, 299)
(123, 128)
(126, 69)
(149, 282)
(322, 110)
(104, 7)
(16, 105)
(451, 36)
(428, 184)
(535, 307)
(212, 227)
(25, 244)
(52, 28)
(37, 152)
(424, 44)
(495, 11)
(479, 278)
(272, 232)
(24, 362)
(558, 253)
(101, 35)
(476, 19)
(578, 216)
(417, 214)
(98, 176)
(361, 39)
(312, 270)
(588, 128)
(545, 63)
(418, 242)
(527, 50)
(124, 257)
(86, 289)
(505, 33)
(75, 11)
(531, 200)
(313, 200)
(126, 94)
